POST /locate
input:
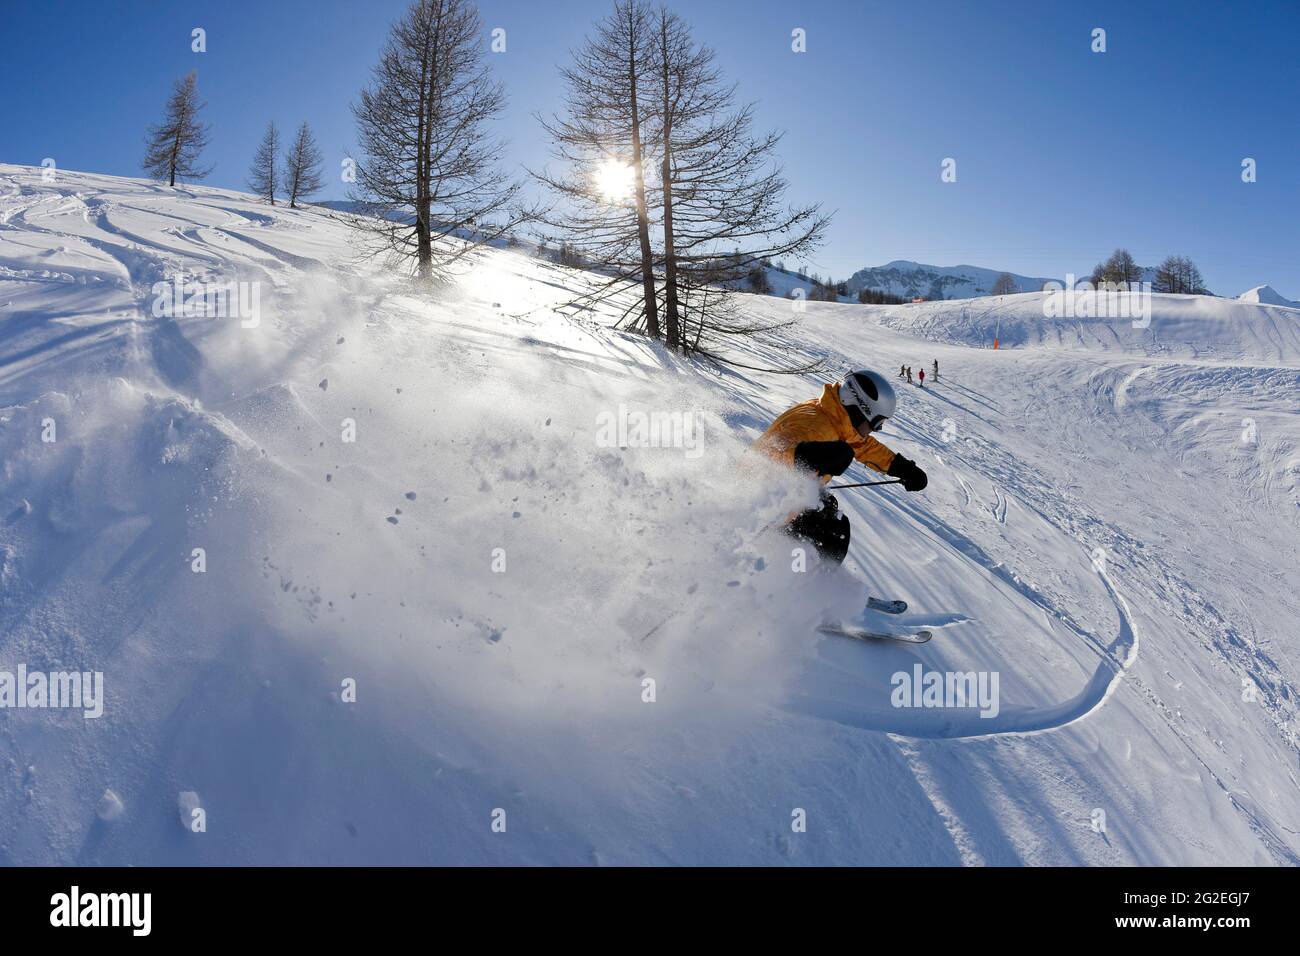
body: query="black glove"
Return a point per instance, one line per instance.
(913, 477)
(824, 457)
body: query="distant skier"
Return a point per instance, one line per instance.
(902, 371)
(824, 436)
(936, 370)
(922, 376)
(909, 375)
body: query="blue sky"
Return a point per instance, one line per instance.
(1062, 154)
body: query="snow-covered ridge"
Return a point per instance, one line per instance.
(1156, 324)
(1267, 295)
(916, 279)
(410, 492)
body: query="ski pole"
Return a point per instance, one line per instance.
(865, 484)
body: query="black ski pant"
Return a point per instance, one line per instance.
(825, 528)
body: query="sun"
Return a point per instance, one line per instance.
(614, 180)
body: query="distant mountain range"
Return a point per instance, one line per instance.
(917, 279)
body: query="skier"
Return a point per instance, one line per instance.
(922, 374)
(823, 436)
(909, 375)
(936, 370)
(902, 371)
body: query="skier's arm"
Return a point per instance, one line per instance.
(828, 458)
(873, 454)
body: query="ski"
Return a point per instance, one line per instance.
(886, 607)
(862, 634)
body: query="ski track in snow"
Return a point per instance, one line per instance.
(1115, 658)
(523, 688)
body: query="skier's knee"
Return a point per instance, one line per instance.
(826, 529)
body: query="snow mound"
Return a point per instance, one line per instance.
(1267, 295)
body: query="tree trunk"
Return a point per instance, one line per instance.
(642, 217)
(424, 157)
(671, 312)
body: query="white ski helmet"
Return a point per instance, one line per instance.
(869, 399)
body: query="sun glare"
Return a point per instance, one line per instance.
(614, 180)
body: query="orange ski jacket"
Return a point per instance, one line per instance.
(821, 419)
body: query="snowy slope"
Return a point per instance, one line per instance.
(1174, 326)
(785, 284)
(518, 686)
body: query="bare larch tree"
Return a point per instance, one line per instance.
(302, 167)
(1179, 274)
(601, 140)
(173, 146)
(1119, 270)
(263, 177)
(429, 171)
(1005, 285)
(721, 192)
